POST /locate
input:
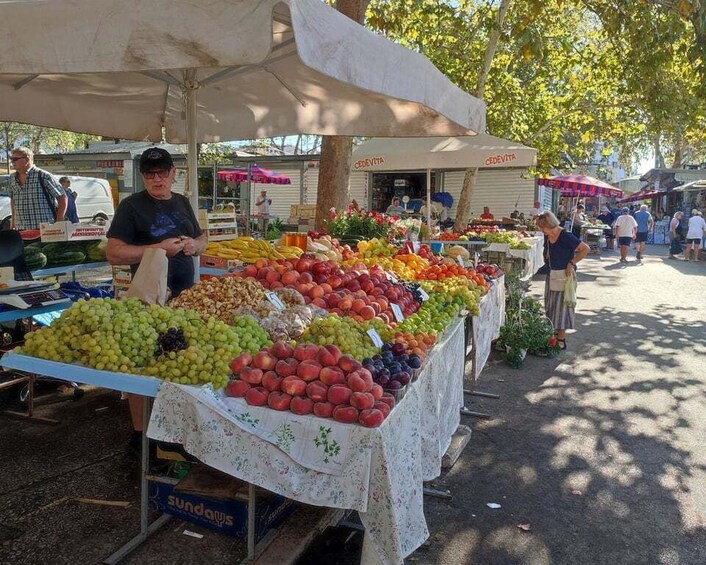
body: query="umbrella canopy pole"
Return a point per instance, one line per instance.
(429, 202)
(190, 96)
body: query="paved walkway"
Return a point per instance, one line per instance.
(601, 451)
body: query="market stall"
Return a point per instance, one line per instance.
(487, 324)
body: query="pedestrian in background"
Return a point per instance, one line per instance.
(676, 234)
(562, 250)
(71, 212)
(577, 220)
(694, 234)
(263, 210)
(607, 218)
(644, 225)
(625, 229)
(35, 196)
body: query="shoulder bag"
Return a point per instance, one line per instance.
(53, 204)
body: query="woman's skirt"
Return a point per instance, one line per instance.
(562, 317)
(675, 247)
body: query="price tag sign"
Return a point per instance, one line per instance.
(391, 277)
(416, 246)
(275, 300)
(375, 337)
(397, 311)
(423, 294)
(459, 260)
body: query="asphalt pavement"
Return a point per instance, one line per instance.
(598, 456)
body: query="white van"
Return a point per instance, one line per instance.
(94, 202)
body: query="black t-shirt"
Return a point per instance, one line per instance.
(143, 220)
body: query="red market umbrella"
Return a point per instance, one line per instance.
(580, 185)
(257, 174)
(642, 195)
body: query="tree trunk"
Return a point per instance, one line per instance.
(659, 158)
(334, 171)
(463, 209)
(335, 165)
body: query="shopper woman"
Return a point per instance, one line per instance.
(578, 219)
(562, 251)
(676, 234)
(694, 235)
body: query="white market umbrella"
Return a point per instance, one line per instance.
(217, 70)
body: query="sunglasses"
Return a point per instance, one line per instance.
(163, 174)
(14, 159)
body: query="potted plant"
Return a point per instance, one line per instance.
(526, 330)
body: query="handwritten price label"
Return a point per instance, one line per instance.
(392, 278)
(423, 294)
(275, 300)
(397, 311)
(375, 337)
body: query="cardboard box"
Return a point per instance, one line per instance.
(226, 516)
(66, 231)
(213, 262)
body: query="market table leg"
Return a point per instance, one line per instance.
(146, 529)
(29, 415)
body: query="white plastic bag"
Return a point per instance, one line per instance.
(570, 291)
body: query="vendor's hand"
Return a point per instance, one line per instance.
(190, 246)
(172, 246)
(569, 270)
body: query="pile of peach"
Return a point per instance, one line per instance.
(418, 343)
(310, 379)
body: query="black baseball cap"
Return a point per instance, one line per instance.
(155, 158)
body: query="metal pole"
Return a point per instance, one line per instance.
(429, 201)
(252, 502)
(190, 94)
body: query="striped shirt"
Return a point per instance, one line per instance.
(30, 200)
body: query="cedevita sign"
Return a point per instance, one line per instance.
(370, 162)
(500, 159)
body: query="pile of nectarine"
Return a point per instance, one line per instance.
(310, 379)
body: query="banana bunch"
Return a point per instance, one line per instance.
(249, 250)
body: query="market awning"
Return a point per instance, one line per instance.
(642, 195)
(695, 185)
(256, 173)
(581, 185)
(257, 68)
(403, 154)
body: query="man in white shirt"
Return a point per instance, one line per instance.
(263, 210)
(696, 231)
(625, 229)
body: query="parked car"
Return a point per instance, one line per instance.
(94, 202)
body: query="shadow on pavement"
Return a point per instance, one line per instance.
(599, 459)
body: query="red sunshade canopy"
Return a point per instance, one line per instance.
(580, 185)
(257, 174)
(642, 195)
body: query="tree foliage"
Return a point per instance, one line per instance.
(568, 73)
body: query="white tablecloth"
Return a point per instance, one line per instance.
(533, 257)
(487, 324)
(383, 469)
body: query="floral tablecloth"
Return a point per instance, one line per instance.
(379, 472)
(487, 324)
